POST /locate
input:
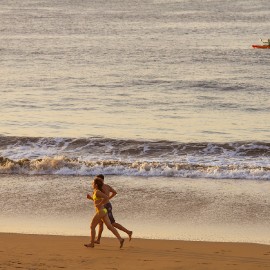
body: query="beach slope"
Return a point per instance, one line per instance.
(19, 251)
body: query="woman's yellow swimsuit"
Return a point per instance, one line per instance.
(95, 198)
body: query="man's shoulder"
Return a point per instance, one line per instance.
(106, 186)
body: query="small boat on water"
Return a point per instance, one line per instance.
(261, 46)
(265, 45)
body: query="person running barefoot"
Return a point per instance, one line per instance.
(110, 192)
(100, 199)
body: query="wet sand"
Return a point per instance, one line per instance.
(20, 251)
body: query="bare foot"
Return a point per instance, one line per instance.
(122, 243)
(89, 245)
(97, 242)
(130, 235)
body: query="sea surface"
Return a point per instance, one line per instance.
(167, 98)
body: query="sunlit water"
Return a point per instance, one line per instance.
(183, 71)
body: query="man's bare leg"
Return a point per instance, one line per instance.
(121, 228)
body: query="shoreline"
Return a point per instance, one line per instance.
(33, 251)
(181, 209)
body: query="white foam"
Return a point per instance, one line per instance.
(62, 165)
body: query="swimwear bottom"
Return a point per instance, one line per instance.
(104, 211)
(108, 206)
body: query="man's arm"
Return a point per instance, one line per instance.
(112, 192)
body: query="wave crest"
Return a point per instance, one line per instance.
(32, 147)
(66, 166)
(90, 156)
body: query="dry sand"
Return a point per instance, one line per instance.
(19, 251)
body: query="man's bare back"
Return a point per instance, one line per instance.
(109, 191)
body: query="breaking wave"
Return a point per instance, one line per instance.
(90, 156)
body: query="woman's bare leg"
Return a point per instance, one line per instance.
(95, 221)
(113, 230)
(100, 230)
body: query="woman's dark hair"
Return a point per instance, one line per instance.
(99, 183)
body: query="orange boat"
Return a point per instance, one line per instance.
(261, 46)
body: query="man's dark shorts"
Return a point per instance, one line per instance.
(108, 206)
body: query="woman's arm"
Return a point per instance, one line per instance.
(105, 198)
(89, 197)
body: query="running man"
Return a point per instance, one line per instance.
(110, 192)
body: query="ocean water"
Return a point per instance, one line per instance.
(157, 95)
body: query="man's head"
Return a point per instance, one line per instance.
(100, 176)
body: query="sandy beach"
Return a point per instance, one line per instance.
(20, 251)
